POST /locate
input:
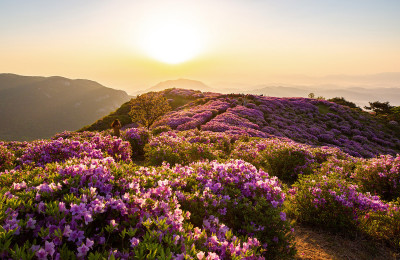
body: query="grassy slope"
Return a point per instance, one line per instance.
(122, 114)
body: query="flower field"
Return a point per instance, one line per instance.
(222, 177)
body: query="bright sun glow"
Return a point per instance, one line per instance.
(172, 41)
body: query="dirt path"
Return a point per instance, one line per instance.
(317, 244)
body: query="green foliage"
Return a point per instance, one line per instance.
(379, 176)
(147, 108)
(7, 158)
(5, 239)
(344, 102)
(286, 160)
(138, 138)
(312, 201)
(186, 147)
(160, 129)
(380, 108)
(323, 109)
(122, 114)
(395, 111)
(384, 226)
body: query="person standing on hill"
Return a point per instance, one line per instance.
(116, 125)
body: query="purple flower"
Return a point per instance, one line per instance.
(134, 241)
(41, 254)
(49, 248)
(283, 216)
(82, 250)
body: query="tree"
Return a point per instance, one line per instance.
(311, 95)
(344, 102)
(396, 113)
(380, 108)
(147, 108)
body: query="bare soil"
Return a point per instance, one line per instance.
(313, 244)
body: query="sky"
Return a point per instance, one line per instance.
(132, 45)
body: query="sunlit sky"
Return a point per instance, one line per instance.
(133, 45)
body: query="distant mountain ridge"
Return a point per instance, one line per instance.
(360, 95)
(179, 83)
(38, 107)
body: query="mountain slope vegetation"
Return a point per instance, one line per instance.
(39, 107)
(219, 177)
(309, 121)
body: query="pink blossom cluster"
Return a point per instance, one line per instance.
(309, 121)
(85, 206)
(41, 152)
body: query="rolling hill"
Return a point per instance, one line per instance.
(39, 107)
(310, 121)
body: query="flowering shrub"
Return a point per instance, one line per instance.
(7, 158)
(96, 208)
(309, 121)
(383, 225)
(160, 129)
(190, 119)
(282, 157)
(234, 191)
(39, 153)
(331, 201)
(379, 175)
(138, 138)
(77, 136)
(216, 141)
(223, 198)
(173, 147)
(101, 140)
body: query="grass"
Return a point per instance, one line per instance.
(323, 109)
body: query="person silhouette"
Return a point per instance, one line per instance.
(116, 125)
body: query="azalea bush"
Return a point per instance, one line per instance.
(245, 199)
(77, 136)
(225, 183)
(7, 158)
(184, 148)
(41, 152)
(138, 138)
(97, 208)
(304, 120)
(160, 129)
(331, 201)
(383, 225)
(380, 176)
(282, 158)
(216, 141)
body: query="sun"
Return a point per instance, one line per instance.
(172, 41)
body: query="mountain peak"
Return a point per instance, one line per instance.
(180, 83)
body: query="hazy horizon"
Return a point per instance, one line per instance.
(134, 45)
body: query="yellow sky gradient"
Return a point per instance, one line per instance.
(250, 42)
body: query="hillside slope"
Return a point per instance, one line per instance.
(220, 194)
(39, 107)
(309, 121)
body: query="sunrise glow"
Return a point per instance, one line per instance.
(133, 45)
(172, 42)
